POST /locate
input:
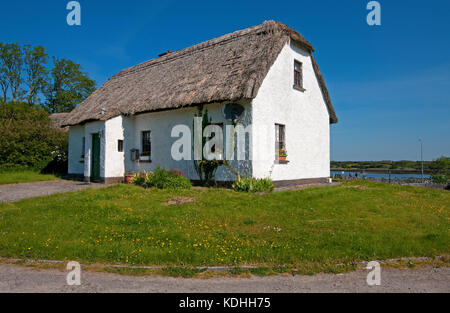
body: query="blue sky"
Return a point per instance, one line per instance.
(390, 84)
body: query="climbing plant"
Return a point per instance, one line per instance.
(206, 169)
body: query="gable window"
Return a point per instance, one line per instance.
(120, 145)
(146, 144)
(298, 76)
(280, 141)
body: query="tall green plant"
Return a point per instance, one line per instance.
(206, 169)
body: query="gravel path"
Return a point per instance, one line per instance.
(14, 278)
(14, 192)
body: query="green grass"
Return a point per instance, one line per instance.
(316, 229)
(23, 176)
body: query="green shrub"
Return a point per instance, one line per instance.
(29, 140)
(441, 178)
(163, 179)
(253, 185)
(140, 179)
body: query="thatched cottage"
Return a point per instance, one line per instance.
(267, 70)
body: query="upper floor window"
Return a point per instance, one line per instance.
(146, 143)
(298, 75)
(120, 145)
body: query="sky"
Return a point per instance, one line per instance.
(389, 84)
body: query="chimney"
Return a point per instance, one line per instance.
(164, 53)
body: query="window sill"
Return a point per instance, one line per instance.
(281, 161)
(144, 161)
(298, 88)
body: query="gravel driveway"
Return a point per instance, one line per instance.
(14, 192)
(15, 278)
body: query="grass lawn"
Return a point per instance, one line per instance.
(23, 176)
(316, 227)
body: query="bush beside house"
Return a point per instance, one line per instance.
(30, 141)
(253, 184)
(162, 179)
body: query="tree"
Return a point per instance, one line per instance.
(28, 137)
(441, 164)
(4, 83)
(69, 86)
(441, 168)
(35, 60)
(11, 71)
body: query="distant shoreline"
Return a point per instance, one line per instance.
(381, 171)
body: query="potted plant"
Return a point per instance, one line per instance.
(282, 155)
(129, 177)
(145, 156)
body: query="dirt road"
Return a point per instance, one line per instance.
(14, 278)
(15, 192)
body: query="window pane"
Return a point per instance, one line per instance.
(120, 145)
(215, 149)
(279, 138)
(146, 145)
(298, 74)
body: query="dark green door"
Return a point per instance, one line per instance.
(95, 161)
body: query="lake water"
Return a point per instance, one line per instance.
(381, 175)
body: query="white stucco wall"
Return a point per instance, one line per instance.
(111, 160)
(304, 115)
(76, 134)
(89, 129)
(160, 124)
(114, 131)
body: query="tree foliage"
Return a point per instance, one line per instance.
(441, 168)
(28, 137)
(35, 60)
(68, 87)
(11, 63)
(24, 77)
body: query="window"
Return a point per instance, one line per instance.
(120, 145)
(280, 143)
(146, 144)
(298, 79)
(83, 146)
(215, 149)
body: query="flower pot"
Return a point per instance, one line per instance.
(128, 178)
(282, 157)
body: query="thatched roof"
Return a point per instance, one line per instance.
(228, 68)
(58, 120)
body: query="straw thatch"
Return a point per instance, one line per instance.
(58, 120)
(228, 68)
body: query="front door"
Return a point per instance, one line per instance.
(95, 161)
